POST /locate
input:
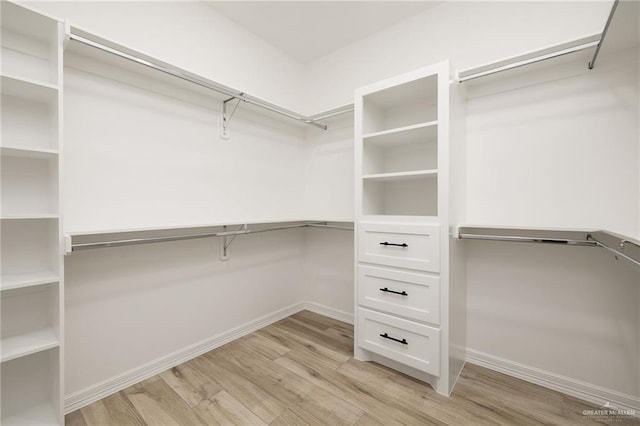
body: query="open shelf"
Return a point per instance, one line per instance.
(407, 149)
(30, 390)
(400, 106)
(27, 152)
(28, 44)
(29, 186)
(417, 196)
(29, 246)
(401, 176)
(29, 115)
(17, 216)
(28, 343)
(15, 281)
(30, 320)
(402, 135)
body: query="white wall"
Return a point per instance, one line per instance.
(328, 188)
(129, 306)
(328, 268)
(139, 159)
(468, 33)
(571, 311)
(193, 36)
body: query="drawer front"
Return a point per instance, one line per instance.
(405, 246)
(407, 342)
(409, 294)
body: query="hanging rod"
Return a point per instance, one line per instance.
(530, 58)
(621, 247)
(244, 230)
(592, 63)
(578, 238)
(87, 39)
(344, 109)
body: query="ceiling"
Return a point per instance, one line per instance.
(307, 30)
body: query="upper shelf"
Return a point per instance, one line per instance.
(115, 238)
(92, 43)
(531, 57)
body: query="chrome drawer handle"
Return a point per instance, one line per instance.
(401, 293)
(393, 244)
(403, 341)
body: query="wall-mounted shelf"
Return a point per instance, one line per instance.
(620, 246)
(76, 241)
(96, 43)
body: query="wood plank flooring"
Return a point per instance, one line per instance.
(300, 371)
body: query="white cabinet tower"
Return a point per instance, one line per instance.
(410, 311)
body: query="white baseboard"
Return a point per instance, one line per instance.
(566, 385)
(329, 312)
(114, 384)
(585, 391)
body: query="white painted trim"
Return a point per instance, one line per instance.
(586, 391)
(116, 383)
(329, 312)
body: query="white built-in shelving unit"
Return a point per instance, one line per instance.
(31, 287)
(410, 286)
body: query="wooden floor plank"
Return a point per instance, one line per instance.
(96, 414)
(122, 411)
(300, 371)
(258, 400)
(75, 419)
(192, 385)
(222, 409)
(158, 404)
(294, 418)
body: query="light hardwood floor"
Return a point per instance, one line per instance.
(300, 371)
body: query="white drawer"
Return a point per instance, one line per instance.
(405, 246)
(409, 294)
(415, 345)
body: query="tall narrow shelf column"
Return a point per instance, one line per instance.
(410, 280)
(31, 287)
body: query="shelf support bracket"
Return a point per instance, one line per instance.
(226, 118)
(592, 63)
(225, 243)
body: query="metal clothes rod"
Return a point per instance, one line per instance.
(176, 72)
(592, 63)
(149, 240)
(621, 247)
(530, 58)
(511, 238)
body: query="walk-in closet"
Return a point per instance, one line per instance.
(320, 213)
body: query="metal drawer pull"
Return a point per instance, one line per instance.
(393, 244)
(401, 293)
(403, 341)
